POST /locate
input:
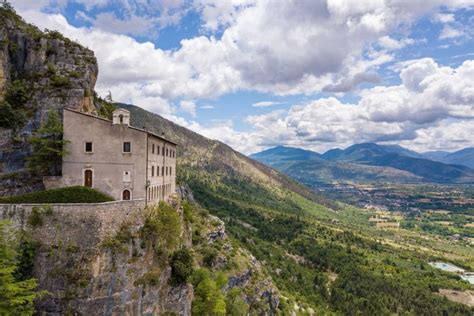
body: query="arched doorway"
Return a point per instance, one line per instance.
(88, 178)
(126, 195)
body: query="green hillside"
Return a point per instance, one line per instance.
(320, 259)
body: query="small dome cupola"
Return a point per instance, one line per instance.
(121, 117)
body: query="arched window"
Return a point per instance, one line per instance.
(126, 195)
(121, 118)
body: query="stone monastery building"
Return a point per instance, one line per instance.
(118, 159)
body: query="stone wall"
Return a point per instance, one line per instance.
(109, 215)
(87, 277)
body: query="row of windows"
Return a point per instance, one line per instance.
(164, 171)
(164, 151)
(127, 147)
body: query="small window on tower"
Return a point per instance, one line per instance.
(127, 176)
(153, 148)
(127, 147)
(163, 150)
(88, 147)
(158, 149)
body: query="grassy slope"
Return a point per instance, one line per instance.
(342, 268)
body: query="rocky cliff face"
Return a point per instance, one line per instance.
(39, 72)
(95, 260)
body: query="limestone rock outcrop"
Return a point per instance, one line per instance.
(39, 71)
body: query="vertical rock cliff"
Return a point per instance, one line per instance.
(39, 71)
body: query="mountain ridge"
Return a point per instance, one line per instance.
(411, 166)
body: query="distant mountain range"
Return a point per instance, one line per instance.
(371, 162)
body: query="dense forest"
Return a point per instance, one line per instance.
(316, 265)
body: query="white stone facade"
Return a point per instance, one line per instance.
(113, 157)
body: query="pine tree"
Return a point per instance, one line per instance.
(47, 147)
(16, 297)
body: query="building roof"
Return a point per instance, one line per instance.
(132, 127)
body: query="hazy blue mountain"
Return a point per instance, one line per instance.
(463, 157)
(436, 155)
(282, 156)
(365, 162)
(397, 149)
(365, 151)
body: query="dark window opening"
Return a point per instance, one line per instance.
(126, 195)
(152, 171)
(121, 118)
(166, 152)
(127, 147)
(153, 148)
(157, 149)
(162, 171)
(88, 147)
(163, 151)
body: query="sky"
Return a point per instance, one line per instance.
(255, 74)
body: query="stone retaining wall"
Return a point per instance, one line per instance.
(109, 215)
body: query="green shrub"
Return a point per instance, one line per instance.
(75, 194)
(209, 255)
(27, 250)
(10, 117)
(181, 266)
(18, 93)
(208, 299)
(36, 216)
(60, 81)
(188, 212)
(12, 110)
(119, 242)
(162, 228)
(151, 278)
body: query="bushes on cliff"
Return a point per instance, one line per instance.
(208, 298)
(16, 296)
(12, 110)
(75, 194)
(162, 229)
(47, 147)
(181, 266)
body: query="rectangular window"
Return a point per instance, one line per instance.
(166, 170)
(171, 171)
(166, 152)
(153, 148)
(162, 171)
(127, 176)
(157, 171)
(152, 171)
(163, 150)
(157, 149)
(88, 147)
(127, 147)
